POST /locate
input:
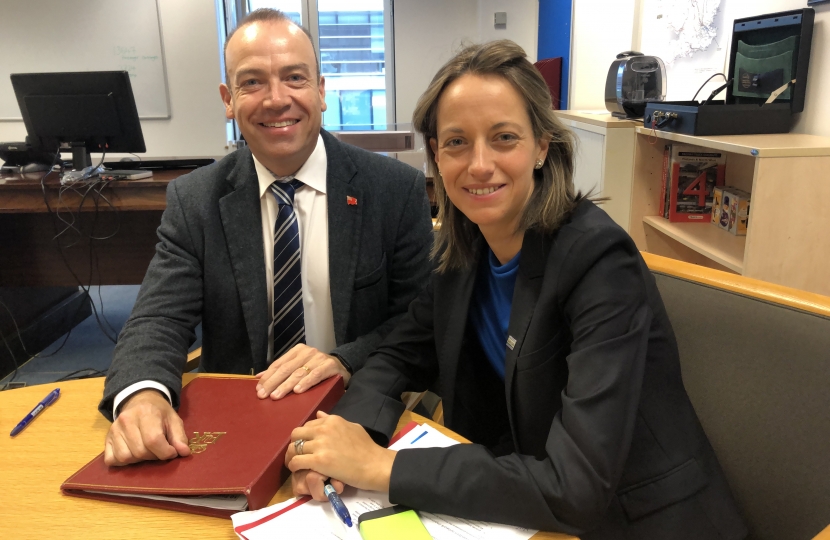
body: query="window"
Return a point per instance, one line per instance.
(355, 44)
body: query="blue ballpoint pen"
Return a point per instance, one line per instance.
(45, 402)
(337, 503)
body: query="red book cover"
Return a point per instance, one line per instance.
(694, 174)
(238, 445)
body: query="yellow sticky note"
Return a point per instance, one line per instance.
(396, 522)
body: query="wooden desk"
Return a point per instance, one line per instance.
(30, 255)
(63, 439)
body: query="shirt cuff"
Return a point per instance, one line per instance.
(133, 388)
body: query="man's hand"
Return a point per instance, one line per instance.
(298, 370)
(335, 448)
(147, 428)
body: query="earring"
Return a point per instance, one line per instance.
(539, 164)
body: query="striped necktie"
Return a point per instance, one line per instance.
(289, 326)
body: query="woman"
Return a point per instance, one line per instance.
(545, 335)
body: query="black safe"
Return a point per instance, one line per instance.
(767, 52)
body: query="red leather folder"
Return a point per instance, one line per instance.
(238, 445)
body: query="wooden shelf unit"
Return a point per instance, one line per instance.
(604, 159)
(788, 238)
(712, 242)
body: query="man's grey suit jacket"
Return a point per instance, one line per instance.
(209, 268)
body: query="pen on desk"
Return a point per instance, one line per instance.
(337, 503)
(45, 402)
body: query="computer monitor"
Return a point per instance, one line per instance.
(85, 111)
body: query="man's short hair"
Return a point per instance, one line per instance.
(271, 16)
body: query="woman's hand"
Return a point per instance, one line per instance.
(335, 448)
(307, 482)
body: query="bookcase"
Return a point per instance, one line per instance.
(788, 237)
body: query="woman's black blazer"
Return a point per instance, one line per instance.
(607, 442)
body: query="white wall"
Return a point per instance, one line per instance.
(601, 29)
(427, 33)
(196, 126)
(522, 23)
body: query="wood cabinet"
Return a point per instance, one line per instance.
(788, 237)
(604, 159)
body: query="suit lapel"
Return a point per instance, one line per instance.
(344, 230)
(455, 294)
(525, 294)
(241, 217)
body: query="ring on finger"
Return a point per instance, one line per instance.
(298, 446)
(306, 368)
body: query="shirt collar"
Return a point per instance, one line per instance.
(312, 173)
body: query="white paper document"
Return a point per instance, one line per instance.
(311, 519)
(220, 502)
(308, 519)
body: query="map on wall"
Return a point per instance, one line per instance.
(694, 23)
(687, 35)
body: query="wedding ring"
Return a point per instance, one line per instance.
(298, 447)
(306, 368)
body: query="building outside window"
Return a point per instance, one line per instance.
(354, 41)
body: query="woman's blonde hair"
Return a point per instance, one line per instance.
(553, 195)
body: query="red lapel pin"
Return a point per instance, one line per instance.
(351, 201)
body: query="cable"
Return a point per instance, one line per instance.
(716, 91)
(23, 345)
(72, 226)
(74, 376)
(14, 360)
(707, 80)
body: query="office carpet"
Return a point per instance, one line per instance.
(86, 349)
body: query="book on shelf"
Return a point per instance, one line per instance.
(237, 442)
(730, 209)
(692, 173)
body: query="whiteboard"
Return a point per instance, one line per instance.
(85, 35)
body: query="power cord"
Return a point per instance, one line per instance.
(97, 194)
(72, 227)
(74, 375)
(716, 91)
(706, 82)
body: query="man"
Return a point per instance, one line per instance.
(296, 243)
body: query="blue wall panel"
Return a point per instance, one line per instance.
(555, 38)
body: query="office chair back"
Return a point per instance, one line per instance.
(756, 364)
(551, 70)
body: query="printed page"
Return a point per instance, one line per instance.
(442, 527)
(423, 436)
(311, 519)
(221, 502)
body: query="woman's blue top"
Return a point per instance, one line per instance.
(490, 307)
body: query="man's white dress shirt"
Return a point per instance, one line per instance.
(311, 206)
